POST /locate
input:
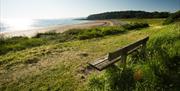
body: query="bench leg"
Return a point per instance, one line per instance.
(123, 58)
(144, 51)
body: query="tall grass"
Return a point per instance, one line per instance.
(20, 43)
(82, 34)
(135, 26)
(172, 18)
(164, 52)
(160, 71)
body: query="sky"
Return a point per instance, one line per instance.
(40, 9)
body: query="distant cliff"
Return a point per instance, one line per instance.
(128, 14)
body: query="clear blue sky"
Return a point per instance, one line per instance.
(78, 8)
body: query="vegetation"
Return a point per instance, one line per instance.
(135, 26)
(152, 22)
(158, 71)
(172, 18)
(128, 14)
(20, 43)
(62, 66)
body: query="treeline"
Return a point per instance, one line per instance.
(128, 14)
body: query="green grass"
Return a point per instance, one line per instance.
(20, 43)
(151, 22)
(175, 17)
(135, 26)
(158, 71)
(61, 66)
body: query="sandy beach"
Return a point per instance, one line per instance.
(58, 28)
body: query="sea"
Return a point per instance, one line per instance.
(10, 25)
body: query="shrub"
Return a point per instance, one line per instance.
(74, 31)
(19, 43)
(112, 30)
(90, 33)
(135, 26)
(99, 32)
(40, 35)
(172, 18)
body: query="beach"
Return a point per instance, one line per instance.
(57, 28)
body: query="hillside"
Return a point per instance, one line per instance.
(127, 14)
(174, 17)
(58, 62)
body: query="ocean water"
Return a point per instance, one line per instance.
(8, 25)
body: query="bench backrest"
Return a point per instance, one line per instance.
(127, 49)
(117, 55)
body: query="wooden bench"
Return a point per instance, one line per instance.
(119, 54)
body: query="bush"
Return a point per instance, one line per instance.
(74, 31)
(90, 33)
(135, 26)
(172, 18)
(112, 30)
(41, 35)
(82, 34)
(19, 43)
(99, 32)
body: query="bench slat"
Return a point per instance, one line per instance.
(134, 49)
(100, 60)
(126, 49)
(104, 64)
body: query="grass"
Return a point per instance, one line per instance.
(151, 22)
(61, 66)
(159, 71)
(172, 18)
(135, 26)
(82, 34)
(21, 43)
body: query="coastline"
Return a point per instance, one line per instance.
(57, 28)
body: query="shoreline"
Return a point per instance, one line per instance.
(57, 28)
